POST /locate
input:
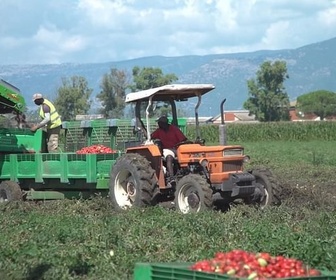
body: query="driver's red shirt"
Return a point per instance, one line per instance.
(169, 138)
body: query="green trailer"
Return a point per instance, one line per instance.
(54, 176)
(28, 172)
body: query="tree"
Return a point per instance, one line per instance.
(73, 97)
(32, 116)
(321, 103)
(149, 77)
(268, 100)
(112, 95)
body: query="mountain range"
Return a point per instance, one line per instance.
(311, 67)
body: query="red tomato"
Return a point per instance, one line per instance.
(96, 149)
(313, 272)
(220, 256)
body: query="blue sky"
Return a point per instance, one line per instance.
(90, 31)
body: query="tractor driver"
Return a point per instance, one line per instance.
(170, 136)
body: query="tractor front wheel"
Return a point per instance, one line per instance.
(193, 194)
(10, 191)
(268, 188)
(132, 182)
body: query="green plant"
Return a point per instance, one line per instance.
(270, 131)
(86, 239)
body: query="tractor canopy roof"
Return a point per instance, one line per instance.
(10, 98)
(178, 92)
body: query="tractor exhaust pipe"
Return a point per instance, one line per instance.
(222, 128)
(198, 132)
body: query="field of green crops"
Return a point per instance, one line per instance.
(86, 239)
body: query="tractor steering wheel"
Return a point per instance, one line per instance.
(184, 143)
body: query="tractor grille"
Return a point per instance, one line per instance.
(246, 190)
(232, 166)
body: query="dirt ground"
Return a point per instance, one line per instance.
(313, 197)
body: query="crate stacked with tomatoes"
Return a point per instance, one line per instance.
(112, 133)
(87, 133)
(235, 264)
(256, 266)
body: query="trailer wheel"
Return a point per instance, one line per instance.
(10, 191)
(269, 188)
(132, 182)
(193, 194)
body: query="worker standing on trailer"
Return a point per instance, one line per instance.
(51, 119)
(170, 136)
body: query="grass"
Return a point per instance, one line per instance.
(294, 152)
(311, 163)
(73, 239)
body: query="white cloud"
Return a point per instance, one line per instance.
(328, 16)
(103, 13)
(275, 35)
(226, 16)
(110, 30)
(57, 39)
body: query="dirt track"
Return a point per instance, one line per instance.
(312, 196)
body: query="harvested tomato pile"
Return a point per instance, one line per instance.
(256, 266)
(96, 149)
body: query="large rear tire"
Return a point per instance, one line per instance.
(132, 182)
(10, 191)
(193, 194)
(269, 187)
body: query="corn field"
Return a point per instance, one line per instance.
(284, 131)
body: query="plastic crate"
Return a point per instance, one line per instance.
(172, 271)
(181, 271)
(103, 132)
(76, 136)
(114, 133)
(182, 124)
(15, 140)
(80, 134)
(125, 133)
(125, 136)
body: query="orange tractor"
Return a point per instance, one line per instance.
(204, 174)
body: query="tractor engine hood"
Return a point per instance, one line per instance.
(199, 151)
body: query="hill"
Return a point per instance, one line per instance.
(310, 67)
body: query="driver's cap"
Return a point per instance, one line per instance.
(162, 119)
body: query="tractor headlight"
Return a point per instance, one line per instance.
(246, 158)
(204, 162)
(233, 152)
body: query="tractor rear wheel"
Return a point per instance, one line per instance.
(193, 194)
(10, 191)
(132, 182)
(269, 188)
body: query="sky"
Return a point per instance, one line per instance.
(95, 31)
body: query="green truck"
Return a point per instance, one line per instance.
(11, 100)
